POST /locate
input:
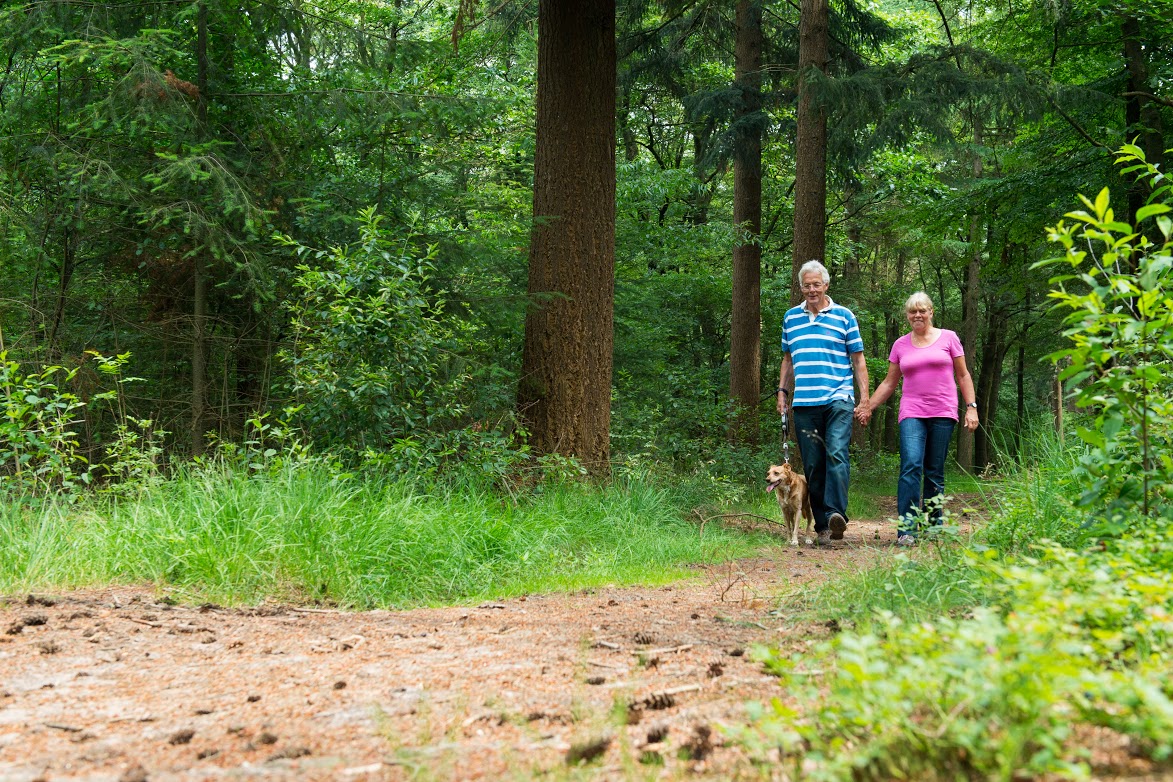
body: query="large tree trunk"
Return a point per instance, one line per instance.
(565, 391)
(810, 165)
(745, 338)
(970, 299)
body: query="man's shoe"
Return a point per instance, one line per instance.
(906, 540)
(824, 538)
(838, 525)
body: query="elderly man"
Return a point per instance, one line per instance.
(821, 350)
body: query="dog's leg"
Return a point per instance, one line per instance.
(809, 515)
(785, 499)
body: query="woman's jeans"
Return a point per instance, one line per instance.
(824, 433)
(924, 443)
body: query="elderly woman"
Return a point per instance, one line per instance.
(932, 364)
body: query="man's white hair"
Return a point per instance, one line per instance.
(814, 266)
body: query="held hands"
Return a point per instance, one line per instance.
(863, 414)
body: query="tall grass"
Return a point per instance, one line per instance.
(1029, 506)
(307, 534)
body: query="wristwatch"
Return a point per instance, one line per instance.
(971, 404)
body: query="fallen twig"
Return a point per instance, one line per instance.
(734, 516)
(665, 650)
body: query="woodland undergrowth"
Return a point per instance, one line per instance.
(1003, 655)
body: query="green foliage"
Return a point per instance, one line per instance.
(306, 532)
(38, 438)
(1039, 644)
(133, 459)
(1001, 692)
(371, 362)
(268, 444)
(1032, 501)
(1119, 367)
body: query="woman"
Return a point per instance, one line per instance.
(932, 364)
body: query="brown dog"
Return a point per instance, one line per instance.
(790, 489)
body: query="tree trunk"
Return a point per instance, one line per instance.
(810, 165)
(1141, 116)
(988, 383)
(70, 239)
(970, 299)
(892, 327)
(199, 348)
(564, 395)
(745, 338)
(1020, 410)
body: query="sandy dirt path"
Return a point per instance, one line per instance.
(120, 685)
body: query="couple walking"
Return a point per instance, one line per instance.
(821, 352)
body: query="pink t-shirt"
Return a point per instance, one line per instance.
(928, 389)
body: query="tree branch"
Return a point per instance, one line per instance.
(1148, 96)
(1071, 121)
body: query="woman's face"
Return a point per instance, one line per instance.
(920, 318)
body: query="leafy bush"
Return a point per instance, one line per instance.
(133, 459)
(372, 361)
(38, 441)
(1120, 365)
(1077, 639)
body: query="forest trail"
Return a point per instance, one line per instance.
(119, 685)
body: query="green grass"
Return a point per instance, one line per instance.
(305, 534)
(1027, 506)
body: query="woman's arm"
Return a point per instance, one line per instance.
(887, 386)
(965, 382)
(882, 393)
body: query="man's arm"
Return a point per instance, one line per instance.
(785, 381)
(861, 378)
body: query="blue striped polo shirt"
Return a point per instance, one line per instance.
(821, 349)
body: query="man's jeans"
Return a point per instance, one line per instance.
(823, 433)
(924, 443)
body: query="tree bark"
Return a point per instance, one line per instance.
(1137, 73)
(989, 381)
(970, 300)
(564, 395)
(745, 338)
(199, 348)
(810, 165)
(1142, 118)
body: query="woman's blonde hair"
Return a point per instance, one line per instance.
(918, 299)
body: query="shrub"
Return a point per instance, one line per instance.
(372, 361)
(38, 442)
(1119, 367)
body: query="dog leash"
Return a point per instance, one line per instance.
(785, 440)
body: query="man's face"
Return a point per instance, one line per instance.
(813, 288)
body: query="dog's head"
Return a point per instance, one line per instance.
(778, 474)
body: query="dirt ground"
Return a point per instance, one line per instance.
(121, 685)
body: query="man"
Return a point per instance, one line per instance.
(821, 349)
